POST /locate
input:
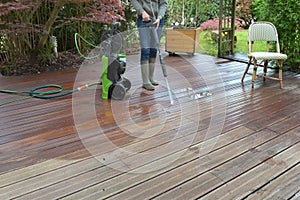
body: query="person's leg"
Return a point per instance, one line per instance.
(153, 52)
(145, 69)
(144, 34)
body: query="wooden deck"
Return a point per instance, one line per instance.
(220, 139)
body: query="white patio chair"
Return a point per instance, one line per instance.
(263, 31)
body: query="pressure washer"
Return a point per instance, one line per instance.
(114, 83)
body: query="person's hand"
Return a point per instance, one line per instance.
(145, 16)
(156, 23)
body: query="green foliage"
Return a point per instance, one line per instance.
(46, 55)
(180, 12)
(244, 12)
(191, 13)
(208, 10)
(4, 70)
(130, 16)
(285, 15)
(207, 44)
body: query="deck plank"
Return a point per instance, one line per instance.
(277, 190)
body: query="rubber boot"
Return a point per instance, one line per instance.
(151, 72)
(145, 76)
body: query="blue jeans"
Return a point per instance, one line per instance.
(149, 41)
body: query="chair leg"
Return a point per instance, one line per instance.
(254, 72)
(246, 71)
(265, 69)
(280, 72)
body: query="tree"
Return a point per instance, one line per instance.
(191, 13)
(244, 12)
(27, 25)
(182, 11)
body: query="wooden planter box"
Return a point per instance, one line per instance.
(182, 40)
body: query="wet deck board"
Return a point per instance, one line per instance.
(253, 154)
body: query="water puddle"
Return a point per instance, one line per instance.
(192, 94)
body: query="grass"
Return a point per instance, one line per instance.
(208, 46)
(242, 41)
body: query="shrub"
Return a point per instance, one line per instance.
(285, 15)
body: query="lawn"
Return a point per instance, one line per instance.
(208, 46)
(242, 41)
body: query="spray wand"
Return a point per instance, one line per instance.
(162, 62)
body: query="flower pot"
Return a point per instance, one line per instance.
(182, 40)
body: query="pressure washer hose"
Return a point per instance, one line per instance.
(57, 92)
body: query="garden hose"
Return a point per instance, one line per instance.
(77, 46)
(107, 35)
(58, 91)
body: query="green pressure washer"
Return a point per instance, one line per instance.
(114, 84)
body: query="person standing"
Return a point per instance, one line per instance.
(150, 18)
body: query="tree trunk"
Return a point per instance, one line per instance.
(47, 29)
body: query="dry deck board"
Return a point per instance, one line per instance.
(65, 146)
(264, 173)
(285, 186)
